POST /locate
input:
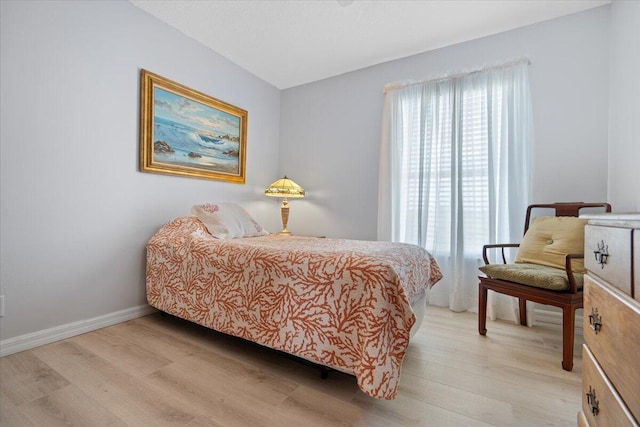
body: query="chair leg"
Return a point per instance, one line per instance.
(522, 308)
(568, 327)
(482, 309)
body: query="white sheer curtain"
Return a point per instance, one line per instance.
(454, 173)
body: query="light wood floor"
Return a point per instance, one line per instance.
(162, 371)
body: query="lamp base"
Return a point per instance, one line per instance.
(284, 214)
(284, 232)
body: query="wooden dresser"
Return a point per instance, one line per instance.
(611, 353)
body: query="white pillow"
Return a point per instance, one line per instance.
(227, 220)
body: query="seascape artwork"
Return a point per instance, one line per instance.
(187, 133)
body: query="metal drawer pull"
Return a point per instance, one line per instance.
(601, 254)
(595, 321)
(592, 401)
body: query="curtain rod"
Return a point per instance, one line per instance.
(399, 85)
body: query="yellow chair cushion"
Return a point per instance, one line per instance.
(538, 276)
(550, 238)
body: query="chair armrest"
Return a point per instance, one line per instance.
(573, 287)
(495, 246)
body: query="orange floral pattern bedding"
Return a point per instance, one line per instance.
(340, 303)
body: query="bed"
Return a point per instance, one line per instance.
(343, 304)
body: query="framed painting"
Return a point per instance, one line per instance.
(187, 133)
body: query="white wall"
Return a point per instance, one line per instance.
(75, 212)
(330, 129)
(624, 118)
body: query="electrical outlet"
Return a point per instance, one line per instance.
(1, 305)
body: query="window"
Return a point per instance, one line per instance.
(455, 168)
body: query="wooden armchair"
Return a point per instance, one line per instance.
(548, 268)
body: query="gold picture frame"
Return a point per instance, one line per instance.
(187, 133)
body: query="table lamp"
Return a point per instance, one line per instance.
(284, 188)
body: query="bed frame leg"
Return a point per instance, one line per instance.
(324, 373)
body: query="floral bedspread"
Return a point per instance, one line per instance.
(341, 303)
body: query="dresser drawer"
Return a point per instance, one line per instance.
(582, 420)
(601, 405)
(616, 242)
(636, 264)
(616, 342)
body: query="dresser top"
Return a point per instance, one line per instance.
(631, 220)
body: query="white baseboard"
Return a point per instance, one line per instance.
(554, 317)
(46, 336)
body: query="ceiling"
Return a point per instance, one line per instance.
(289, 43)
